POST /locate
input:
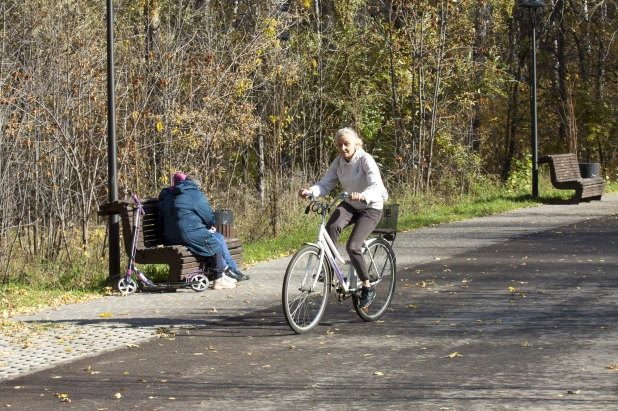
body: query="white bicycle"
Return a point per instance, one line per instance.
(313, 272)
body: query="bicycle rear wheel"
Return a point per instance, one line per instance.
(304, 305)
(380, 262)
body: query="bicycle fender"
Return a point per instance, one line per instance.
(316, 245)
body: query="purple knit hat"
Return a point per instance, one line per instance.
(178, 177)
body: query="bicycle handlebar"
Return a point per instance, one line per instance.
(319, 207)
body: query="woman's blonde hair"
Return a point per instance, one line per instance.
(347, 131)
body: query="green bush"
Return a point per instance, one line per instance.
(520, 176)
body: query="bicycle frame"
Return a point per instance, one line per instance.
(328, 249)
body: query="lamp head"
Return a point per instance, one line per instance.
(533, 4)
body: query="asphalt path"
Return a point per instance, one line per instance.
(487, 316)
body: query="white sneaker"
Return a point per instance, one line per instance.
(222, 285)
(228, 279)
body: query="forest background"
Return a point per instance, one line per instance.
(249, 93)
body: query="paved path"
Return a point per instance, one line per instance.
(451, 259)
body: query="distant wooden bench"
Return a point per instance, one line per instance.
(565, 175)
(150, 244)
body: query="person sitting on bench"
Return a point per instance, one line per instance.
(187, 218)
(231, 270)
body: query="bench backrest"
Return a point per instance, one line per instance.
(149, 233)
(565, 167)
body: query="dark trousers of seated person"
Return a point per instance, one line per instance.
(216, 265)
(365, 221)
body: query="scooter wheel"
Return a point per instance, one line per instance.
(199, 282)
(126, 285)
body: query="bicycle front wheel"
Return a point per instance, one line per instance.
(380, 262)
(303, 302)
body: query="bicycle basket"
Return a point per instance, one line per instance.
(389, 217)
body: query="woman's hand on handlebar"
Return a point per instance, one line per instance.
(305, 193)
(357, 197)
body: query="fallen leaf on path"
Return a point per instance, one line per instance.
(378, 373)
(104, 315)
(453, 355)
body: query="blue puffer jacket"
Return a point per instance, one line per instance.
(187, 217)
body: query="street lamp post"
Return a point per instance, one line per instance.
(112, 177)
(532, 6)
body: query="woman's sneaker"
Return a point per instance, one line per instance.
(367, 296)
(221, 284)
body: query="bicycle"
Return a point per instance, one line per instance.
(197, 280)
(313, 272)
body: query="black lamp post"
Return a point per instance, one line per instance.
(112, 177)
(532, 6)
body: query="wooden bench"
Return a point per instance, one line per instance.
(565, 175)
(150, 244)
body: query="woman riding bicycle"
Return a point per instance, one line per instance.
(359, 175)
